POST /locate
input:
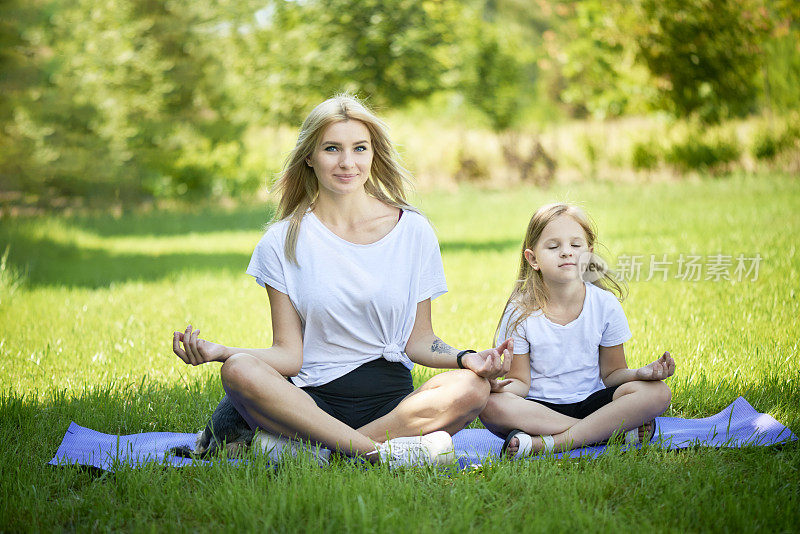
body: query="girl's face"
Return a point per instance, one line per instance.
(558, 249)
(343, 158)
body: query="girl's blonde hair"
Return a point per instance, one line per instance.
(530, 292)
(297, 185)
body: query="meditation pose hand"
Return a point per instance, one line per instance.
(661, 369)
(195, 350)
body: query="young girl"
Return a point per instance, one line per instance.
(569, 384)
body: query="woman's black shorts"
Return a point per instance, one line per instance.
(581, 409)
(364, 394)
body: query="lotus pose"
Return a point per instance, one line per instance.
(569, 384)
(350, 269)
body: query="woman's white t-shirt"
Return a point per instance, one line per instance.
(356, 303)
(565, 359)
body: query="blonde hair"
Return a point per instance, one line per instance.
(530, 292)
(297, 185)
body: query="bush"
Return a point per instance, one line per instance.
(768, 143)
(696, 153)
(645, 156)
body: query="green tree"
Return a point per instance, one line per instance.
(704, 54)
(497, 70)
(390, 52)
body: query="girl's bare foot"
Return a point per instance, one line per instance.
(518, 443)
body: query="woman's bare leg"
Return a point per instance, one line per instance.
(267, 400)
(448, 401)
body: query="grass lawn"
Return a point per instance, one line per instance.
(88, 305)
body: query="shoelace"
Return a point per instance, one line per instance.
(407, 453)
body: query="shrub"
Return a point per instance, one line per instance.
(696, 153)
(768, 143)
(645, 155)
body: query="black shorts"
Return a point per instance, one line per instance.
(364, 394)
(581, 409)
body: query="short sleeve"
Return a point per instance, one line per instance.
(615, 329)
(268, 259)
(432, 282)
(521, 344)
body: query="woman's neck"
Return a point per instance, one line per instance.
(359, 219)
(344, 210)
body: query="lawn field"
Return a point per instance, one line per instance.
(88, 304)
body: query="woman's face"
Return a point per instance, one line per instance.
(343, 158)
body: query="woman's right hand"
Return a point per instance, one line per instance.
(195, 350)
(491, 363)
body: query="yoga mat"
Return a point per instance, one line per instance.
(738, 425)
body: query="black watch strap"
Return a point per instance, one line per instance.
(461, 355)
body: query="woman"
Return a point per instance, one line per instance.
(350, 270)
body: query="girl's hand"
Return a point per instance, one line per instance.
(662, 368)
(195, 350)
(491, 363)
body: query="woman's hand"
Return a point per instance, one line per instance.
(662, 368)
(195, 350)
(491, 363)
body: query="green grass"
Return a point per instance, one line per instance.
(88, 304)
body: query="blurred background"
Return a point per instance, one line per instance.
(118, 102)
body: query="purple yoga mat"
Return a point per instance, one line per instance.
(738, 425)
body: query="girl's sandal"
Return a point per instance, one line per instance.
(632, 436)
(525, 447)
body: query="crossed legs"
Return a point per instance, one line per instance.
(633, 405)
(266, 400)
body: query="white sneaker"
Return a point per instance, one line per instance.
(435, 448)
(276, 446)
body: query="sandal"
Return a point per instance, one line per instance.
(526, 443)
(632, 436)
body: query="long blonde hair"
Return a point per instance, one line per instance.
(297, 185)
(530, 293)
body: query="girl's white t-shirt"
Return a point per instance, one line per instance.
(356, 303)
(565, 359)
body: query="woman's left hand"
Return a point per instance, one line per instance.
(491, 363)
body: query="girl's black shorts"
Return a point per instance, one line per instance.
(366, 393)
(581, 409)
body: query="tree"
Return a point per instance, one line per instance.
(704, 54)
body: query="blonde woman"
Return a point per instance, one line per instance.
(350, 269)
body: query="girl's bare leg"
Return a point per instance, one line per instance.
(506, 411)
(448, 401)
(634, 404)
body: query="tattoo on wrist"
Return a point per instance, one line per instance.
(440, 347)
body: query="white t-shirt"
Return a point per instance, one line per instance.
(356, 303)
(565, 359)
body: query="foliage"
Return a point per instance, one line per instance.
(704, 53)
(593, 48)
(770, 142)
(702, 152)
(645, 155)
(500, 72)
(119, 99)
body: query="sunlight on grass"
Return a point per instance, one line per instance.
(88, 306)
